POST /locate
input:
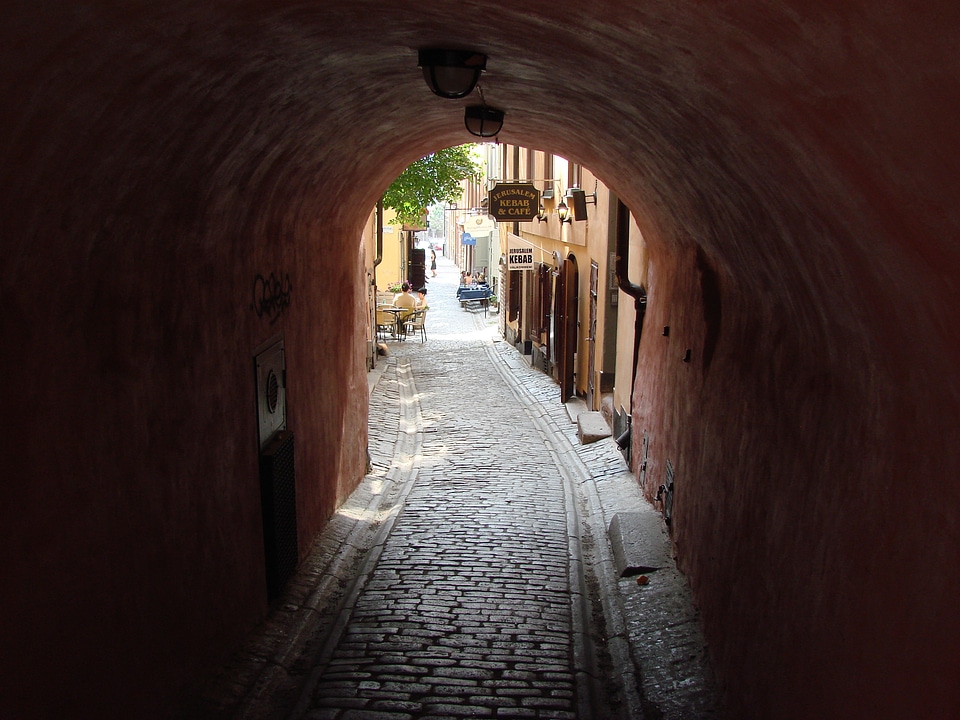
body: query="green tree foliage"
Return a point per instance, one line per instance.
(431, 179)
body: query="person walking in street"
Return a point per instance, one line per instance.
(433, 262)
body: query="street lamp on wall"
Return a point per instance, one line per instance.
(451, 74)
(563, 212)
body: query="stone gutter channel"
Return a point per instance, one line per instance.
(588, 556)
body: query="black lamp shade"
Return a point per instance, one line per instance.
(483, 121)
(452, 74)
(578, 203)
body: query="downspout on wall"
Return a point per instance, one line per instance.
(639, 295)
(379, 258)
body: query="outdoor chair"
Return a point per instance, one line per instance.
(417, 321)
(386, 324)
(402, 319)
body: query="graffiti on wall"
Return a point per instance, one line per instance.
(271, 296)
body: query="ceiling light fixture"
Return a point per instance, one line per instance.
(483, 121)
(451, 74)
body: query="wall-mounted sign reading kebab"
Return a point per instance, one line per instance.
(516, 202)
(519, 253)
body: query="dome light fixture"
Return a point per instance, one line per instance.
(483, 121)
(451, 74)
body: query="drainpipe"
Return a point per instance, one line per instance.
(379, 258)
(373, 315)
(639, 296)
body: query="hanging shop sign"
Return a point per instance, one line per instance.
(514, 202)
(519, 253)
(468, 239)
(478, 225)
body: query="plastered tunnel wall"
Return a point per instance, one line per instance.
(792, 167)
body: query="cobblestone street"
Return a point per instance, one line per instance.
(471, 574)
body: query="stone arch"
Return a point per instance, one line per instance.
(155, 159)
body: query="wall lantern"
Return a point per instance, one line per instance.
(591, 198)
(563, 212)
(578, 200)
(482, 121)
(452, 74)
(542, 214)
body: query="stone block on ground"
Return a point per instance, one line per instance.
(574, 407)
(591, 427)
(639, 542)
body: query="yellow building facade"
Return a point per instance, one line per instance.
(565, 310)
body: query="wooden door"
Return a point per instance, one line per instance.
(544, 309)
(591, 338)
(567, 313)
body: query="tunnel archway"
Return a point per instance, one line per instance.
(794, 161)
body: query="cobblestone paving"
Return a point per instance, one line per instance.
(470, 574)
(469, 611)
(653, 631)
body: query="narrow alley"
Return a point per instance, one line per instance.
(470, 576)
(739, 227)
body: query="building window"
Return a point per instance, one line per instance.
(575, 174)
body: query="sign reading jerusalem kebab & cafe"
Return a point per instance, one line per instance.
(514, 202)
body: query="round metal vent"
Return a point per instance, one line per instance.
(273, 391)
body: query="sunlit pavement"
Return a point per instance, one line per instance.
(471, 575)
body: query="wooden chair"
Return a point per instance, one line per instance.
(386, 324)
(402, 319)
(417, 321)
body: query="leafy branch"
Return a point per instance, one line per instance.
(431, 179)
